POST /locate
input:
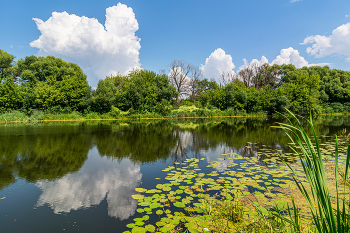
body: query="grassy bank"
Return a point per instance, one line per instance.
(116, 114)
(182, 112)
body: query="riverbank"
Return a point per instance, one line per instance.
(38, 116)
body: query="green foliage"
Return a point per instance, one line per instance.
(335, 84)
(11, 94)
(34, 69)
(46, 83)
(7, 65)
(70, 92)
(103, 97)
(236, 95)
(302, 91)
(219, 99)
(145, 91)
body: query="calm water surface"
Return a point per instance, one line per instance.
(79, 177)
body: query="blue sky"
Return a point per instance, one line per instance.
(187, 30)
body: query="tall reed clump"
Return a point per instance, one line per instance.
(325, 217)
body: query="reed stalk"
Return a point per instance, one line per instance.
(325, 217)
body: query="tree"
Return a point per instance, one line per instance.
(196, 86)
(260, 75)
(178, 77)
(46, 94)
(51, 82)
(236, 96)
(72, 91)
(103, 98)
(11, 93)
(7, 65)
(302, 91)
(143, 91)
(228, 77)
(34, 69)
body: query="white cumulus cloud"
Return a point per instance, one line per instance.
(100, 50)
(262, 61)
(337, 43)
(217, 63)
(292, 56)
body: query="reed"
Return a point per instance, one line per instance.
(325, 217)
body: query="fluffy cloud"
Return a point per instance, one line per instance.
(337, 43)
(292, 56)
(98, 179)
(100, 50)
(217, 63)
(262, 61)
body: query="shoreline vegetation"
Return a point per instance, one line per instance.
(13, 117)
(19, 117)
(48, 88)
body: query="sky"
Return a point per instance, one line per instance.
(104, 37)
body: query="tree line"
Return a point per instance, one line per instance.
(56, 86)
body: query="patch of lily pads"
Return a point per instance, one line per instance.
(181, 202)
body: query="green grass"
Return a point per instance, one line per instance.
(182, 112)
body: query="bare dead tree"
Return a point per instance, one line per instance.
(195, 86)
(178, 77)
(227, 77)
(260, 75)
(267, 75)
(247, 74)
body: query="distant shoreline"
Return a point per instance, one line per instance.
(149, 118)
(134, 119)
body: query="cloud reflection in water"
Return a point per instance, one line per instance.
(98, 178)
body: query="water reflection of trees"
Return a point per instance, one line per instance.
(139, 142)
(42, 153)
(52, 151)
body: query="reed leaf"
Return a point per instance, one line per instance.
(325, 217)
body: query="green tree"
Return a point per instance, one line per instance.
(34, 69)
(302, 91)
(51, 82)
(103, 98)
(143, 91)
(7, 65)
(236, 96)
(11, 93)
(219, 99)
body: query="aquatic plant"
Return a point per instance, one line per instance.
(326, 217)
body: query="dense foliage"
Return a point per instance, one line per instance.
(52, 85)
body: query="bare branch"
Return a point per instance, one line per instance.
(227, 77)
(178, 77)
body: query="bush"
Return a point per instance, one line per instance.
(337, 107)
(13, 116)
(36, 115)
(164, 108)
